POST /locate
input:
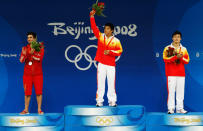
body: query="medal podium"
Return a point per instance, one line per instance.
(174, 122)
(32, 122)
(91, 118)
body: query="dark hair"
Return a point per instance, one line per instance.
(177, 33)
(32, 33)
(110, 25)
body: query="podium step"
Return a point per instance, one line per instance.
(46, 122)
(107, 128)
(113, 120)
(174, 122)
(42, 128)
(91, 118)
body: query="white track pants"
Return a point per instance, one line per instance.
(104, 71)
(176, 85)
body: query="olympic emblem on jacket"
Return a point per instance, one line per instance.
(104, 121)
(79, 56)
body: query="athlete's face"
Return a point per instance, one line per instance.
(176, 38)
(108, 31)
(30, 38)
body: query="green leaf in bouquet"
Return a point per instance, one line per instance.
(98, 7)
(35, 45)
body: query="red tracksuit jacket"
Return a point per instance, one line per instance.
(36, 58)
(171, 68)
(112, 44)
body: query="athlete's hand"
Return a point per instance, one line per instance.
(92, 13)
(180, 56)
(106, 52)
(24, 50)
(32, 51)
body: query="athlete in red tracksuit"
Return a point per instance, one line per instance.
(108, 48)
(175, 73)
(33, 74)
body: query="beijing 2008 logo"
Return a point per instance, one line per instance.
(79, 56)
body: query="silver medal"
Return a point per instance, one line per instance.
(30, 63)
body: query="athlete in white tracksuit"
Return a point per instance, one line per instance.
(108, 48)
(175, 73)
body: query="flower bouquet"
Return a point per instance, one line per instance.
(98, 7)
(37, 45)
(172, 52)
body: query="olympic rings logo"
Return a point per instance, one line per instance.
(104, 121)
(79, 56)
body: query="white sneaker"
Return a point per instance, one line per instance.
(182, 111)
(99, 104)
(113, 104)
(170, 111)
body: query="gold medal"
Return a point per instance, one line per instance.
(30, 63)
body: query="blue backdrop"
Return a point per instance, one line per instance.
(144, 29)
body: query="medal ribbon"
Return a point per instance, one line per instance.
(108, 43)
